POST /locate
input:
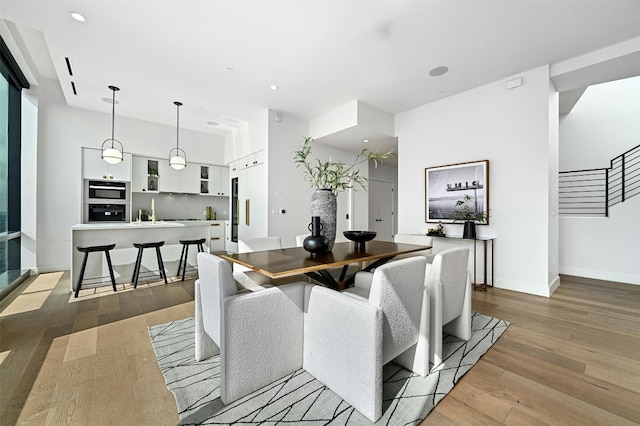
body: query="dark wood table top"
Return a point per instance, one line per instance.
(286, 262)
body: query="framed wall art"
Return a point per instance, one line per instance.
(446, 185)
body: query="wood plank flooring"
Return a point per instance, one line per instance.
(570, 359)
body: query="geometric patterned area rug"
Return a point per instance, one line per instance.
(300, 398)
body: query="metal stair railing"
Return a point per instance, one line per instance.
(591, 192)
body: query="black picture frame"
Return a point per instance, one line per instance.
(445, 185)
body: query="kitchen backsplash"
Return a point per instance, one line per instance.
(177, 206)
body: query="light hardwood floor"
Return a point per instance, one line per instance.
(571, 359)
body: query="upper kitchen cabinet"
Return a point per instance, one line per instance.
(214, 180)
(169, 180)
(251, 160)
(185, 181)
(145, 177)
(190, 179)
(94, 167)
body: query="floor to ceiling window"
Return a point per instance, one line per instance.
(12, 81)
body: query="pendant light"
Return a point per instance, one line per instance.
(177, 156)
(110, 153)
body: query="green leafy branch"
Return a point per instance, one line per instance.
(336, 175)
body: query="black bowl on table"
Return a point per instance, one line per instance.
(359, 237)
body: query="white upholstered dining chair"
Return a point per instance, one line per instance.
(419, 240)
(349, 338)
(245, 276)
(448, 283)
(259, 334)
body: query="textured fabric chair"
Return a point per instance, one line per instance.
(259, 334)
(419, 240)
(448, 283)
(259, 244)
(349, 338)
(245, 276)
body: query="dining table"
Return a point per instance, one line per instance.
(287, 262)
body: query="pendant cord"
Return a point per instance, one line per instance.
(113, 116)
(178, 126)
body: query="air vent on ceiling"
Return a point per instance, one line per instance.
(69, 68)
(73, 86)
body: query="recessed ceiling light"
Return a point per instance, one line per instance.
(212, 123)
(366, 141)
(438, 71)
(274, 87)
(109, 101)
(78, 16)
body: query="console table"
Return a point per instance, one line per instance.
(485, 241)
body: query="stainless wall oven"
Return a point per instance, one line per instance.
(107, 212)
(107, 190)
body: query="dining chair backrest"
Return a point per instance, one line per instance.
(398, 288)
(259, 244)
(450, 268)
(419, 240)
(216, 284)
(300, 239)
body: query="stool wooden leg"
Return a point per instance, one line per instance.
(82, 268)
(184, 246)
(163, 274)
(186, 256)
(113, 280)
(136, 269)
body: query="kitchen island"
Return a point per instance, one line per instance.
(123, 256)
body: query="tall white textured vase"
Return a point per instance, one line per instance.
(324, 204)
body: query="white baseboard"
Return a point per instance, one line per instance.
(554, 285)
(51, 268)
(524, 287)
(600, 275)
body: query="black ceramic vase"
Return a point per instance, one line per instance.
(469, 231)
(315, 243)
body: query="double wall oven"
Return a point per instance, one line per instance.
(106, 201)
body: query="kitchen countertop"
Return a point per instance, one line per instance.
(142, 225)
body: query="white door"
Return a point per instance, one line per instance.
(381, 209)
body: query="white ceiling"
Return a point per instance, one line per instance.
(322, 54)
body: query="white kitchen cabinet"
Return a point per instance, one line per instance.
(185, 181)
(144, 176)
(251, 160)
(139, 174)
(214, 180)
(218, 182)
(252, 199)
(217, 238)
(225, 183)
(94, 167)
(168, 177)
(190, 179)
(229, 245)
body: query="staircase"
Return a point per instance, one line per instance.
(591, 192)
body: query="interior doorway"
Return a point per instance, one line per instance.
(381, 209)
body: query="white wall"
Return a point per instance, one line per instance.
(289, 190)
(602, 125)
(553, 227)
(510, 128)
(62, 131)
